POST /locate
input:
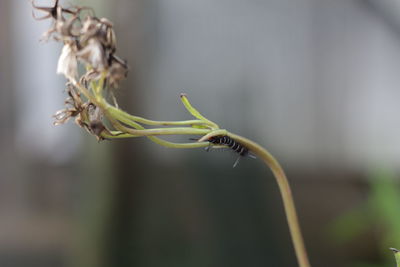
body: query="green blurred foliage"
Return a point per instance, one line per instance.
(378, 215)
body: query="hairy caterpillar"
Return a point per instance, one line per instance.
(225, 140)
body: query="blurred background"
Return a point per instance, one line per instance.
(314, 81)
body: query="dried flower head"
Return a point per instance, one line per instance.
(87, 39)
(90, 41)
(74, 106)
(86, 114)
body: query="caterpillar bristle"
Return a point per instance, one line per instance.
(236, 162)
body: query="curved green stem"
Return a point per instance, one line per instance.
(140, 130)
(195, 112)
(286, 194)
(120, 113)
(156, 140)
(167, 131)
(117, 135)
(163, 131)
(120, 135)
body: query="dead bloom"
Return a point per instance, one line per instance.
(88, 41)
(67, 63)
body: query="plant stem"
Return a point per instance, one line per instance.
(286, 194)
(155, 139)
(115, 110)
(195, 113)
(396, 255)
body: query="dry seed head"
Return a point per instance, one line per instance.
(91, 42)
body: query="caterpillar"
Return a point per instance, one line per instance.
(225, 140)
